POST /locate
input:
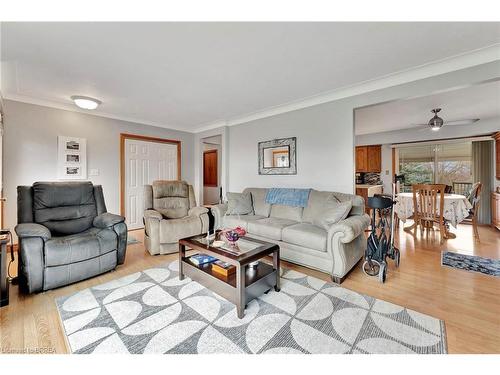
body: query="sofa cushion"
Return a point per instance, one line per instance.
(64, 207)
(332, 214)
(173, 229)
(260, 207)
(233, 221)
(270, 227)
(286, 212)
(79, 247)
(163, 189)
(318, 202)
(172, 207)
(239, 204)
(171, 198)
(306, 235)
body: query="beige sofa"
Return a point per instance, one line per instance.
(170, 213)
(335, 251)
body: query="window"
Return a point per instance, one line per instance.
(447, 163)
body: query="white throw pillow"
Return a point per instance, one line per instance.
(333, 214)
(239, 204)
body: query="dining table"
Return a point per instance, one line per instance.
(456, 209)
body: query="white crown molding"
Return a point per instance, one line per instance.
(449, 64)
(73, 108)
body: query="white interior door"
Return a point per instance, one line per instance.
(145, 162)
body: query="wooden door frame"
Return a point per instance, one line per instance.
(137, 137)
(217, 166)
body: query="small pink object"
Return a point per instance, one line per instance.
(241, 232)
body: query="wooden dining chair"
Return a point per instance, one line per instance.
(475, 199)
(428, 207)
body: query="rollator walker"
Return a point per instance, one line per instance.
(380, 243)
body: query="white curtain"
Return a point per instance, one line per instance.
(482, 171)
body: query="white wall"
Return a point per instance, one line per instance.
(30, 148)
(325, 135)
(386, 163)
(324, 149)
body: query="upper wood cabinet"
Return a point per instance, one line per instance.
(497, 148)
(369, 159)
(361, 158)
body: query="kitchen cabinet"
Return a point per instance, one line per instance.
(361, 158)
(495, 210)
(369, 159)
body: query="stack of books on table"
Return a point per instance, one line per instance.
(223, 268)
(201, 259)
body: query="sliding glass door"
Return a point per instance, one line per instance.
(445, 163)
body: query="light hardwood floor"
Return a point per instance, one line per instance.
(468, 302)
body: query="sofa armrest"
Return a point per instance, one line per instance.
(107, 220)
(218, 210)
(30, 230)
(350, 228)
(197, 211)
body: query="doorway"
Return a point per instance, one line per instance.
(212, 148)
(144, 160)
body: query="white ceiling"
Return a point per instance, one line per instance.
(188, 75)
(474, 102)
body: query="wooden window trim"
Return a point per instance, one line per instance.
(123, 138)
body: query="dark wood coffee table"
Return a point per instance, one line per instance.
(246, 283)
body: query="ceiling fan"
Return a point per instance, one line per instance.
(436, 122)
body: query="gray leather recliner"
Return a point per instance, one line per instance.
(170, 213)
(65, 234)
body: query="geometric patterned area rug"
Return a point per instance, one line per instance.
(471, 263)
(154, 312)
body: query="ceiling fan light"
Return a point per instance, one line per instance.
(85, 102)
(436, 122)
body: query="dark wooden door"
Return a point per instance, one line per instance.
(210, 168)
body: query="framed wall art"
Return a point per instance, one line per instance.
(71, 158)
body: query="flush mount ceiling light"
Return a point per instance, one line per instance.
(85, 102)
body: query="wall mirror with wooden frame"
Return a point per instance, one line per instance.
(277, 156)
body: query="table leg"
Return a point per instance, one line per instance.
(276, 265)
(182, 254)
(447, 233)
(240, 290)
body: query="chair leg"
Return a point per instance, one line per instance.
(442, 231)
(474, 227)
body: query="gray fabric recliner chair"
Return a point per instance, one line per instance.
(170, 213)
(65, 234)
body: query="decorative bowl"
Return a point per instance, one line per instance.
(232, 236)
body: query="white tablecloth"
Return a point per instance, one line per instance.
(456, 207)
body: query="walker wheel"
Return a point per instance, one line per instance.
(371, 268)
(382, 273)
(397, 257)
